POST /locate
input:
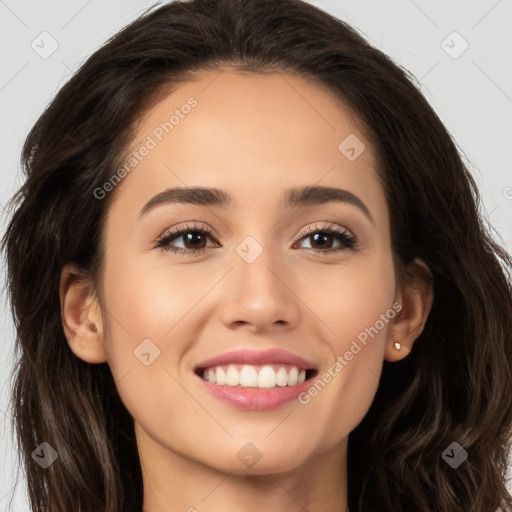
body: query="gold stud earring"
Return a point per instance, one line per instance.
(397, 345)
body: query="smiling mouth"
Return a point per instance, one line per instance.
(262, 376)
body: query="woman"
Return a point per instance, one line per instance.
(182, 349)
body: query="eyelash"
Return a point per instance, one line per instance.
(349, 240)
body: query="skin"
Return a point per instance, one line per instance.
(253, 136)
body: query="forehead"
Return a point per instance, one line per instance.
(250, 134)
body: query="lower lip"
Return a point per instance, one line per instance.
(255, 399)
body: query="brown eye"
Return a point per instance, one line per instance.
(193, 240)
(322, 239)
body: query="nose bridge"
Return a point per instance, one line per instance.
(256, 292)
(256, 267)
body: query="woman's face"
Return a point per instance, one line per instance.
(265, 274)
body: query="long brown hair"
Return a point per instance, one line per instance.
(455, 386)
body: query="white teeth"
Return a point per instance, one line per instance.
(292, 376)
(267, 377)
(249, 376)
(220, 376)
(282, 377)
(232, 376)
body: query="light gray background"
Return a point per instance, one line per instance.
(471, 93)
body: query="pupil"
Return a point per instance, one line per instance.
(317, 236)
(193, 237)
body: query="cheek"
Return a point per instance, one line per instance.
(146, 298)
(354, 301)
(146, 318)
(146, 314)
(149, 300)
(358, 320)
(362, 324)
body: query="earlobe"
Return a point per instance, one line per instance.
(81, 316)
(415, 294)
(396, 351)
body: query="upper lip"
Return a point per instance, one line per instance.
(271, 356)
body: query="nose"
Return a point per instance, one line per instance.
(259, 296)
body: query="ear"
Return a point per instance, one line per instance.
(81, 315)
(415, 294)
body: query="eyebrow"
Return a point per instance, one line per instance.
(293, 197)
